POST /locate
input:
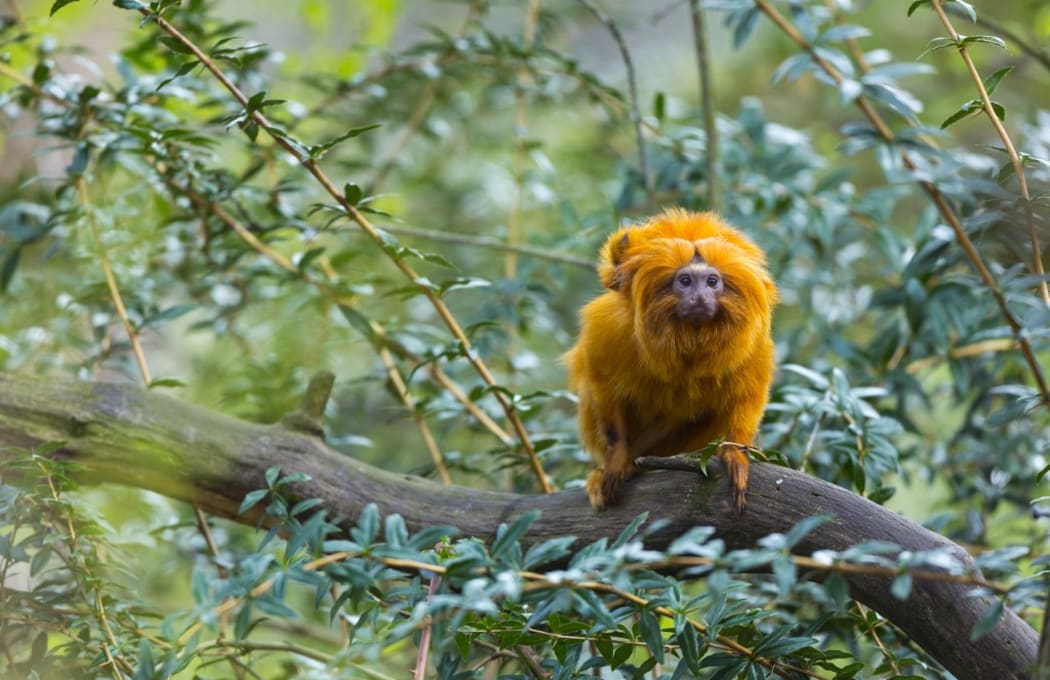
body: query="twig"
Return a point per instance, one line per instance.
(632, 88)
(890, 659)
(1015, 160)
(932, 192)
(111, 283)
(428, 628)
(707, 105)
(311, 165)
(491, 243)
(405, 396)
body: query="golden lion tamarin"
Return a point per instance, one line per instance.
(677, 353)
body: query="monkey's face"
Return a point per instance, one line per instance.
(698, 287)
(695, 296)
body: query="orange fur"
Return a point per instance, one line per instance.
(652, 383)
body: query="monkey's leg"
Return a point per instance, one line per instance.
(736, 461)
(603, 483)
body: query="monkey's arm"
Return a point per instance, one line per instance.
(603, 425)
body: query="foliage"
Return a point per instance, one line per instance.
(421, 223)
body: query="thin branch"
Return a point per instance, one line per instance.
(111, 283)
(405, 396)
(428, 629)
(945, 210)
(490, 243)
(707, 105)
(632, 88)
(1015, 160)
(890, 659)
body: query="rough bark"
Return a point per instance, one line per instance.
(123, 434)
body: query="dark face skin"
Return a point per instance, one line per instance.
(698, 287)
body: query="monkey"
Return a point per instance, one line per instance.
(677, 352)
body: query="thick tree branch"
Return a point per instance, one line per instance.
(124, 434)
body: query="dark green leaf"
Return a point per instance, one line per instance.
(917, 4)
(165, 382)
(985, 40)
(649, 628)
(352, 193)
(629, 531)
(804, 527)
(992, 81)
(988, 620)
(59, 4)
(251, 499)
(7, 270)
(507, 536)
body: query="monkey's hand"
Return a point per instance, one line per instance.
(736, 461)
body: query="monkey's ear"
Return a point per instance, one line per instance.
(611, 269)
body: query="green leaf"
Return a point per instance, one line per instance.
(507, 536)
(548, 551)
(988, 620)
(394, 531)
(7, 270)
(985, 40)
(964, 111)
(992, 81)
(649, 628)
(968, 7)
(79, 164)
(785, 646)
(272, 473)
(352, 193)
(318, 151)
(367, 525)
(165, 382)
(938, 44)
(629, 531)
(175, 46)
(129, 4)
(59, 4)
(802, 528)
(816, 379)
(917, 4)
(251, 499)
(901, 586)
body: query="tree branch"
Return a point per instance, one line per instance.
(123, 434)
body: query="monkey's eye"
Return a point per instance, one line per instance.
(712, 281)
(685, 281)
